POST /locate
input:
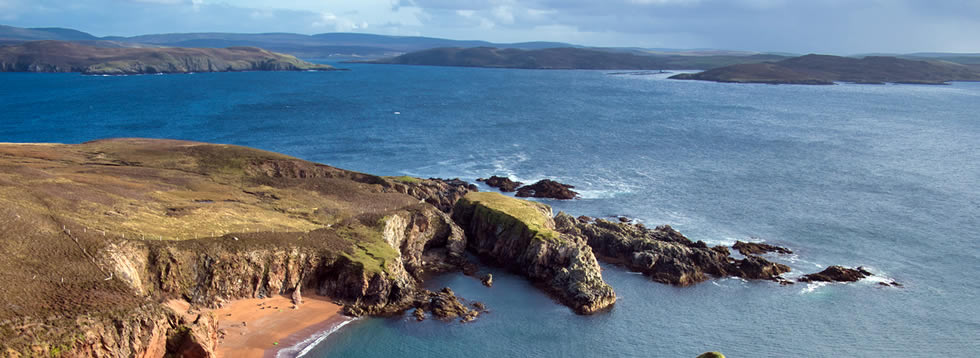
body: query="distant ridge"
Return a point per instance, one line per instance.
(565, 58)
(61, 56)
(825, 69)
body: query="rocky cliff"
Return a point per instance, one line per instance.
(98, 235)
(520, 235)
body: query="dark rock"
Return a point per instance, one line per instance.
(896, 284)
(624, 219)
(547, 189)
(503, 183)
(480, 306)
(487, 280)
(419, 314)
(445, 305)
(756, 248)
(836, 274)
(663, 254)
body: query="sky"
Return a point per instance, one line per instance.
(796, 26)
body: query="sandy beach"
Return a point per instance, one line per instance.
(256, 328)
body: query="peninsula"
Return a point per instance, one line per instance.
(146, 247)
(62, 56)
(825, 69)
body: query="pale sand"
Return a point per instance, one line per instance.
(266, 327)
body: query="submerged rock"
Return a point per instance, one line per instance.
(547, 189)
(520, 235)
(836, 274)
(756, 248)
(502, 183)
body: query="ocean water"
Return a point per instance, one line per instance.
(880, 176)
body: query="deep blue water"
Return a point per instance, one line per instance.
(881, 176)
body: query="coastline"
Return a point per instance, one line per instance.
(271, 325)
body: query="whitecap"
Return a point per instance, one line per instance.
(811, 287)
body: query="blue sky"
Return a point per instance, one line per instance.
(825, 26)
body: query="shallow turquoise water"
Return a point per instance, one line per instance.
(880, 176)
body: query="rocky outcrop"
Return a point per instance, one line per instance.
(520, 236)
(441, 193)
(757, 248)
(547, 188)
(836, 274)
(664, 254)
(487, 280)
(502, 183)
(445, 305)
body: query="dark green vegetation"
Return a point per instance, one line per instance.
(566, 58)
(59, 56)
(824, 69)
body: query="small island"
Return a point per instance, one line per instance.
(62, 56)
(826, 70)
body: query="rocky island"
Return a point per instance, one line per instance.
(139, 247)
(826, 70)
(61, 56)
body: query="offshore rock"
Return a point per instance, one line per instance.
(446, 306)
(547, 188)
(755, 248)
(502, 183)
(664, 254)
(836, 274)
(520, 235)
(487, 280)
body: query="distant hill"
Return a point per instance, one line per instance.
(10, 33)
(326, 46)
(565, 58)
(61, 56)
(825, 69)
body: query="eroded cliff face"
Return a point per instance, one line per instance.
(520, 236)
(664, 254)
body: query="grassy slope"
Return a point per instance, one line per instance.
(167, 193)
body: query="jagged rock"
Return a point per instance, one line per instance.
(441, 193)
(419, 314)
(502, 183)
(520, 235)
(756, 248)
(445, 305)
(664, 254)
(487, 280)
(547, 189)
(836, 274)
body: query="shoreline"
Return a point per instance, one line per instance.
(263, 327)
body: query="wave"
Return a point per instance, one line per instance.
(813, 286)
(303, 348)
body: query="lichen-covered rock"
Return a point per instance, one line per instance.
(520, 235)
(836, 274)
(664, 254)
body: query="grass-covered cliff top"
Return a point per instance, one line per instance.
(506, 210)
(63, 205)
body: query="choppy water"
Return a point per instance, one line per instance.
(881, 176)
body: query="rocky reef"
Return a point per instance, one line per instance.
(836, 274)
(502, 183)
(664, 254)
(520, 235)
(547, 188)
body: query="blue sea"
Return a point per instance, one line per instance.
(886, 177)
